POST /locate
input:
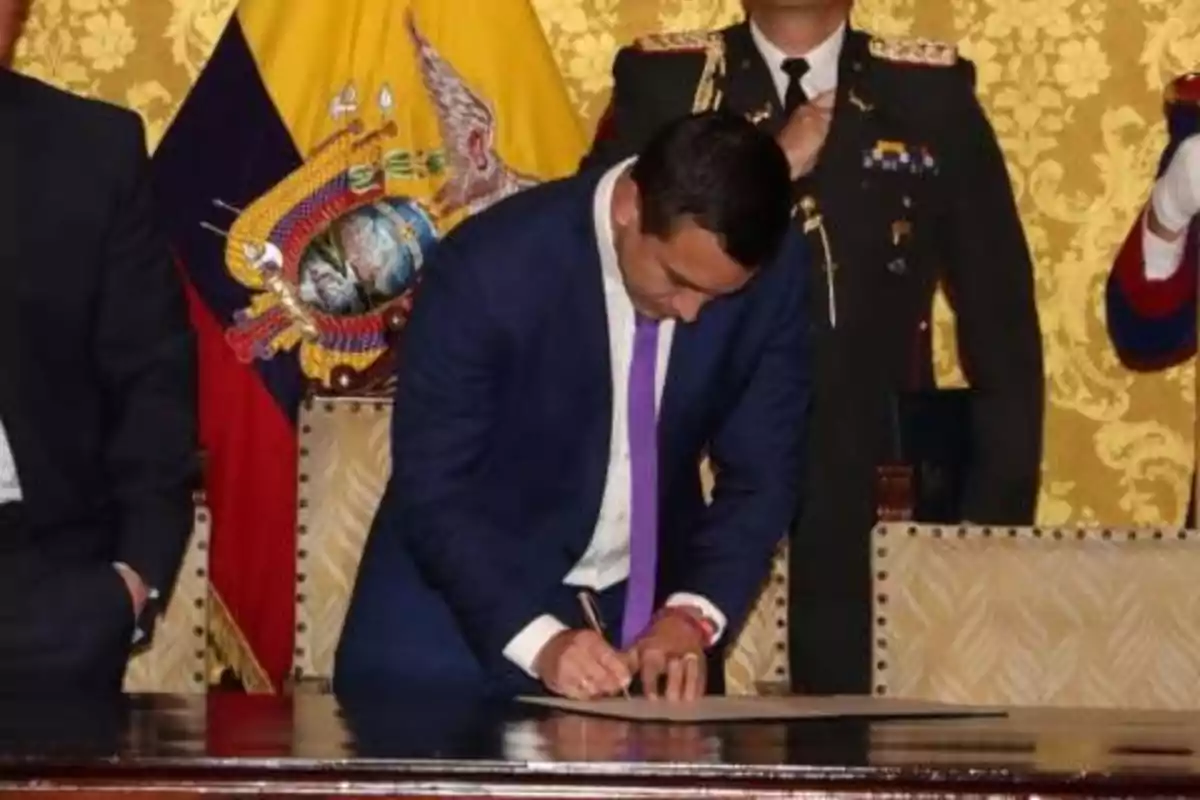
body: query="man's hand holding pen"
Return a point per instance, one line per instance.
(668, 658)
(581, 665)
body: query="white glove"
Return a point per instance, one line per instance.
(1176, 195)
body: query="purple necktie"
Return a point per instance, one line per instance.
(643, 490)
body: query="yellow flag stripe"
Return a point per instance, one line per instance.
(317, 57)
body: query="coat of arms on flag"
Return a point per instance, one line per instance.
(335, 250)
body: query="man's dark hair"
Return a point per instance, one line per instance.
(722, 173)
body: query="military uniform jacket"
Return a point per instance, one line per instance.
(910, 189)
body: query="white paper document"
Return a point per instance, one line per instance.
(733, 709)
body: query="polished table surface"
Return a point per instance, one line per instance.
(312, 744)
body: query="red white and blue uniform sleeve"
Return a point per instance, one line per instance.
(1152, 322)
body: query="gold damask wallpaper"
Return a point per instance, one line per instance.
(1073, 89)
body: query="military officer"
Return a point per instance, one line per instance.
(1151, 289)
(900, 184)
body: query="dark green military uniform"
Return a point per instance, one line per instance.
(911, 189)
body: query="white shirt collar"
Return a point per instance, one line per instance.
(822, 62)
(602, 214)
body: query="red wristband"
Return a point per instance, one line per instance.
(692, 616)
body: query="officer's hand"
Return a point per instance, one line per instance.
(1176, 196)
(580, 665)
(804, 133)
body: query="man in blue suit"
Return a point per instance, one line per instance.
(575, 351)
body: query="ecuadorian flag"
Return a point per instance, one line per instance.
(324, 150)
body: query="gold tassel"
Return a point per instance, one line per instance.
(708, 96)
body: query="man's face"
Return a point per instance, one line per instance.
(12, 19)
(676, 276)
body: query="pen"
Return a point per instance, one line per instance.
(592, 615)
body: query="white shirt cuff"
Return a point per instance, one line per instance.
(1161, 259)
(523, 648)
(152, 595)
(706, 608)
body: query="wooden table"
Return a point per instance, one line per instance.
(232, 745)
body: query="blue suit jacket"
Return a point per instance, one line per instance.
(500, 443)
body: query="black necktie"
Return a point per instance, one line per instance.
(794, 97)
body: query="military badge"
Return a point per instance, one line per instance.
(859, 103)
(761, 115)
(893, 156)
(333, 254)
(918, 52)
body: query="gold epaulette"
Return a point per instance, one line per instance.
(706, 43)
(681, 42)
(923, 52)
(1184, 90)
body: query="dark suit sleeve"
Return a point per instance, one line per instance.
(453, 363)
(146, 361)
(990, 282)
(756, 455)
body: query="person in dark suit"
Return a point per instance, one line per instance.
(98, 452)
(574, 351)
(900, 185)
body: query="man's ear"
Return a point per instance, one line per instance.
(626, 203)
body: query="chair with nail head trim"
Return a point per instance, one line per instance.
(1102, 617)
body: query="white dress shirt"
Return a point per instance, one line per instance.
(606, 560)
(10, 485)
(822, 75)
